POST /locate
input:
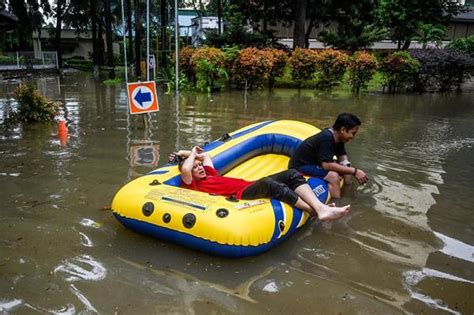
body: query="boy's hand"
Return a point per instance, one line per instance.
(197, 150)
(361, 177)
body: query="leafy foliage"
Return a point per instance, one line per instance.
(441, 69)
(331, 65)
(32, 106)
(403, 17)
(362, 66)
(302, 65)
(185, 63)
(430, 33)
(357, 27)
(463, 44)
(279, 59)
(398, 71)
(208, 64)
(252, 68)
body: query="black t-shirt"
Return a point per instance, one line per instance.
(318, 148)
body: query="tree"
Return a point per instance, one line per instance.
(356, 26)
(404, 16)
(109, 38)
(299, 30)
(430, 33)
(30, 19)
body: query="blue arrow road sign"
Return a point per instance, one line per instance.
(141, 97)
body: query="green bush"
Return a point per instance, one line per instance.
(331, 65)
(463, 44)
(362, 66)
(80, 64)
(7, 60)
(208, 64)
(279, 60)
(302, 65)
(32, 106)
(252, 68)
(399, 70)
(230, 54)
(185, 63)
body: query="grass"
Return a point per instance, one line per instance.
(286, 81)
(113, 81)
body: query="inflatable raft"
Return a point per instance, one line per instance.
(155, 204)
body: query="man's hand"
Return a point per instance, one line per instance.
(181, 153)
(361, 176)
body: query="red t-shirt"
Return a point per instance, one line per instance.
(219, 185)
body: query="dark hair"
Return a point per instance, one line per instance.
(347, 121)
(180, 162)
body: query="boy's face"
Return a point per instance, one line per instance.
(348, 134)
(198, 170)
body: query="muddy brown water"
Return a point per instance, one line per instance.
(406, 247)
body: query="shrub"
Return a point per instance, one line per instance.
(398, 70)
(463, 44)
(441, 69)
(185, 63)
(302, 65)
(230, 54)
(32, 106)
(331, 65)
(279, 59)
(208, 64)
(252, 68)
(7, 60)
(362, 66)
(80, 64)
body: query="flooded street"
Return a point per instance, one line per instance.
(406, 246)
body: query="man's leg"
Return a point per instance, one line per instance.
(334, 181)
(291, 187)
(325, 212)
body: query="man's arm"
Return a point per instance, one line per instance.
(346, 170)
(188, 164)
(187, 168)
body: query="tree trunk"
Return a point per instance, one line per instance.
(57, 39)
(406, 44)
(128, 3)
(93, 13)
(138, 31)
(109, 39)
(219, 16)
(164, 35)
(300, 19)
(308, 32)
(100, 41)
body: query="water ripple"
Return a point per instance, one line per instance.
(73, 271)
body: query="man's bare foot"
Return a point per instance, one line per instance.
(329, 213)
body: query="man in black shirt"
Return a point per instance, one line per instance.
(315, 155)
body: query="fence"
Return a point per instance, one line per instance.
(29, 60)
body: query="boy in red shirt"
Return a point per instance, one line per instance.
(198, 173)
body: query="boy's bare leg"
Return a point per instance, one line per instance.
(333, 180)
(325, 212)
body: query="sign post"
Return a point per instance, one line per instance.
(142, 97)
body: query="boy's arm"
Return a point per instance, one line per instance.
(206, 160)
(187, 168)
(346, 170)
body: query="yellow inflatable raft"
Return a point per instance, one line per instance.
(155, 204)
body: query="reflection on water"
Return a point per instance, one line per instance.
(407, 246)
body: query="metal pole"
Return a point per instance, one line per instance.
(148, 40)
(124, 43)
(176, 47)
(17, 60)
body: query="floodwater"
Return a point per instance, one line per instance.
(406, 247)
